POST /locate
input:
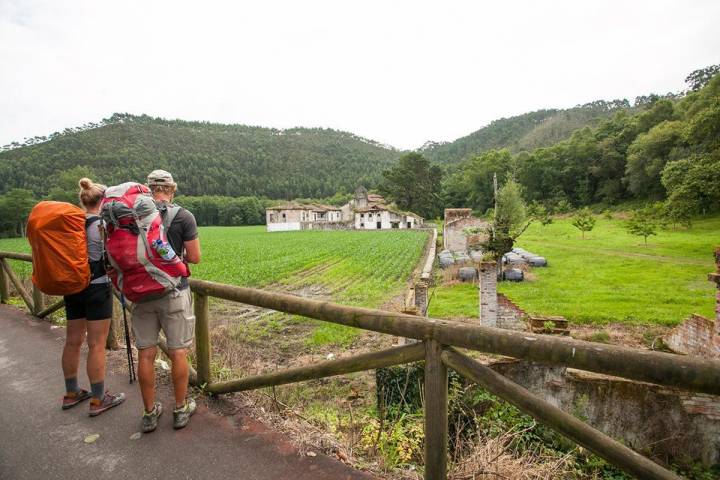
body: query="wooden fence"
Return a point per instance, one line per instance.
(439, 345)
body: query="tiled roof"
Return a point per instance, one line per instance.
(290, 206)
(300, 206)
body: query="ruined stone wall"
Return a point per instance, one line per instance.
(327, 226)
(488, 294)
(699, 335)
(659, 421)
(696, 336)
(509, 315)
(454, 237)
(455, 213)
(421, 297)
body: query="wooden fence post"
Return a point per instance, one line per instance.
(202, 338)
(4, 286)
(17, 283)
(38, 301)
(436, 414)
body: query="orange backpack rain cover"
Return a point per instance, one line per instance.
(56, 232)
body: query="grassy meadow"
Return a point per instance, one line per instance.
(611, 276)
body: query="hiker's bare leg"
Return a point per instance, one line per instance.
(146, 376)
(74, 338)
(97, 332)
(180, 374)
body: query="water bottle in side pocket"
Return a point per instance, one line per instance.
(164, 249)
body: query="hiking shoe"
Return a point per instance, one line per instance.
(181, 416)
(109, 401)
(150, 419)
(70, 401)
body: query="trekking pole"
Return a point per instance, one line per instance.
(131, 363)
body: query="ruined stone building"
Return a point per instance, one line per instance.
(295, 216)
(366, 211)
(457, 220)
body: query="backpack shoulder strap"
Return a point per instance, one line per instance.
(90, 220)
(168, 212)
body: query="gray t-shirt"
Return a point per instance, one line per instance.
(95, 246)
(182, 229)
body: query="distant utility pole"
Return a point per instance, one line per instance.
(494, 203)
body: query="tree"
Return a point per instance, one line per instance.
(509, 221)
(692, 185)
(540, 212)
(414, 185)
(17, 204)
(647, 157)
(66, 184)
(479, 171)
(642, 223)
(584, 221)
(699, 78)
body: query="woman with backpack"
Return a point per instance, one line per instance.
(88, 316)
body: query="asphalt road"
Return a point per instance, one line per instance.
(40, 441)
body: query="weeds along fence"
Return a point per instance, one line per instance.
(439, 347)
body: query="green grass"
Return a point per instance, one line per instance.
(609, 277)
(351, 267)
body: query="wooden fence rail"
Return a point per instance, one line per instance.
(439, 340)
(701, 375)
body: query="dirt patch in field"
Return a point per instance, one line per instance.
(252, 340)
(634, 336)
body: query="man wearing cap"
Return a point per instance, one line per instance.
(172, 313)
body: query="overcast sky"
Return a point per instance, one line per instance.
(399, 72)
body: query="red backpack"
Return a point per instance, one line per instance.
(134, 226)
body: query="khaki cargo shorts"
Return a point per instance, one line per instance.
(172, 313)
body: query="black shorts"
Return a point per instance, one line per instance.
(93, 303)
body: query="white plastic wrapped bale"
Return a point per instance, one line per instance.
(476, 255)
(467, 274)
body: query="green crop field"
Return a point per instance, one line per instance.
(609, 277)
(358, 268)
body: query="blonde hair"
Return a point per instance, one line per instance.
(90, 193)
(166, 189)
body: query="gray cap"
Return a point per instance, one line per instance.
(160, 177)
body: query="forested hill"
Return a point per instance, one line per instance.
(529, 131)
(206, 158)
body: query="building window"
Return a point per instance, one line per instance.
(362, 225)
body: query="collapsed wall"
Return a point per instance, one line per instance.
(660, 422)
(456, 221)
(699, 335)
